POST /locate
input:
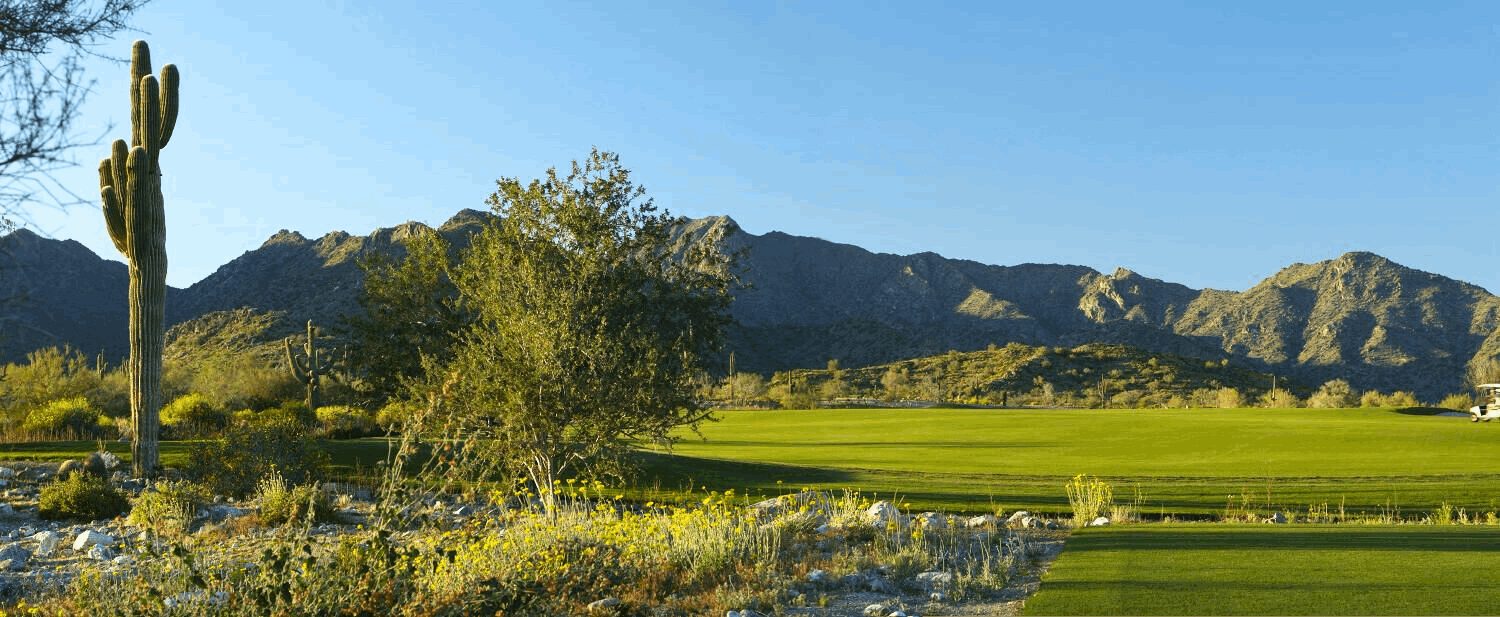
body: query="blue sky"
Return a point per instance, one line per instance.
(1201, 145)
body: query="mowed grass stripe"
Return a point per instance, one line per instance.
(1185, 461)
(1202, 569)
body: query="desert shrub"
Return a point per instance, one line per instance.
(296, 412)
(81, 497)
(1457, 402)
(342, 422)
(193, 415)
(64, 416)
(1089, 497)
(169, 506)
(243, 381)
(394, 415)
(234, 464)
(1228, 398)
(1334, 394)
(281, 503)
(1371, 398)
(1402, 399)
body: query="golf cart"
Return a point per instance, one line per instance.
(1490, 410)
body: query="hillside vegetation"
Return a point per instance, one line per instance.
(1091, 376)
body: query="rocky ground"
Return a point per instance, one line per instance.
(38, 555)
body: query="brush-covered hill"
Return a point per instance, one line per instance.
(1095, 374)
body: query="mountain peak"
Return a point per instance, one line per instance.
(284, 237)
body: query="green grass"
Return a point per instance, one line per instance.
(1186, 462)
(1200, 569)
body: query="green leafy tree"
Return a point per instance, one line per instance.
(591, 323)
(410, 313)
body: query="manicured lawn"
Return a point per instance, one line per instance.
(1215, 569)
(1183, 461)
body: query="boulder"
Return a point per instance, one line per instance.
(1017, 516)
(819, 577)
(46, 543)
(89, 538)
(931, 520)
(875, 610)
(935, 579)
(986, 520)
(606, 605)
(1099, 522)
(14, 557)
(882, 514)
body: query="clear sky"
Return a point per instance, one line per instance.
(1188, 142)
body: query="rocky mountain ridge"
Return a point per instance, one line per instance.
(1359, 316)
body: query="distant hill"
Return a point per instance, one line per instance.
(1360, 317)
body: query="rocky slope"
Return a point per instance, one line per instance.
(1360, 316)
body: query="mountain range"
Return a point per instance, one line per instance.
(1360, 316)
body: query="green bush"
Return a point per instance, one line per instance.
(342, 422)
(295, 412)
(281, 503)
(69, 415)
(168, 506)
(193, 415)
(1457, 402)
(82, 498)
(394, 415)
(234, 464)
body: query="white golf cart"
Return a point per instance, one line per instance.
(1487, 411)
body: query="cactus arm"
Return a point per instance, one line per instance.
(150, 100)
(114, 215)
(140, 66)
(118, 155)
(168, 103)
(298, 371)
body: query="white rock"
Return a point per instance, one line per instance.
(1099, 522)
(89, 538)
(6, 472)
(883, 514)
(935, 579)
(46, 543)
(931, 520)
(1017, 516)
(99, 552)
(875, 610)
(110, 460)
(986, 520)
(606, 604)
(819, 577)
(190, 598)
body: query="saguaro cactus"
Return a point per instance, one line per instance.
(130, 188)
(308, 366)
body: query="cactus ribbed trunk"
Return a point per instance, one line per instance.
(147, 325)
(130, 190)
